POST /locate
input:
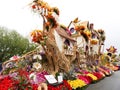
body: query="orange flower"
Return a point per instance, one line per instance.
(37, 36)
(82, 28)
(79, 28)
(51, 20)
(93, 41)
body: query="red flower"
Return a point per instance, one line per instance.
(63, 86)
(34, 87)
(86, 79)
(98, 75)
(7, 83)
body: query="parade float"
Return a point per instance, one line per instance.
(67, 58)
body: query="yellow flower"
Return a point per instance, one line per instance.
(76, 83)
(92, 76)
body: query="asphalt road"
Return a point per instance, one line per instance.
(108, 83)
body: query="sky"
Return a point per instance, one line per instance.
(17, 15)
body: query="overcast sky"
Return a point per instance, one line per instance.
(17, 15)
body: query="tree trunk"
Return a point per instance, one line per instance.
(56, 60)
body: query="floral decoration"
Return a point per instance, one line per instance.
(37, 77)
(94, 41)
(98, 75)
(8, 83)
(112, 49)
(92, 76)
(64, 86)
(37, 36)
(85, 78)
(37, 65)
(79, 28)
(76, 83)
(51, 20)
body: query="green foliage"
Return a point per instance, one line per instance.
(12, 43)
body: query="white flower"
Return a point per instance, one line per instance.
(37, 57)
(32, 76)
(37, 65)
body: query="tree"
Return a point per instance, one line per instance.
(12, 43)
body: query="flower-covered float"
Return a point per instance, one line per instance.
(67, 58)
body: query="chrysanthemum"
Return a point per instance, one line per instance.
(37, 57)
(37, 65)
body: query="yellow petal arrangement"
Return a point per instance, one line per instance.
(92, 76)
(76, 83)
